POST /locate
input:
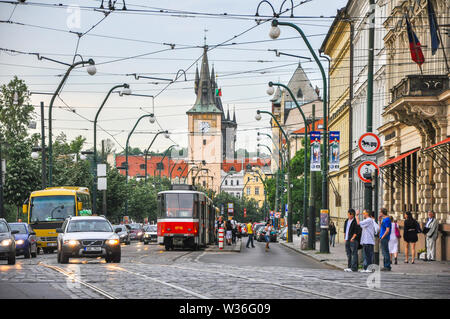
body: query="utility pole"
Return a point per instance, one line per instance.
(311, 209)
(104, 191)
(43, 152)
(369, 120)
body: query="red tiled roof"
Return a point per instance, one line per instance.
(316, 125)
(237, 164)
(135, 162)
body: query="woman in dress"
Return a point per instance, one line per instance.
(393, 241)
(410, 232)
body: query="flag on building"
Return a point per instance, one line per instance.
(414, 45)
(432, 21)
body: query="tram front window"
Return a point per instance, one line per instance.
(180, 206)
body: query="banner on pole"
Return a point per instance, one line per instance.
(315, 151)
(335, 141)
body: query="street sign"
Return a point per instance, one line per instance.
(230, 208)
(102, 185)
(367, 167)
(369, 143)
(101, 170)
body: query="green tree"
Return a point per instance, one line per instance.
(22, 173)
(142, 200)
(16, 112)
(115, 194)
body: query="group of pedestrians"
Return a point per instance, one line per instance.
(230, 227)
(360, 234)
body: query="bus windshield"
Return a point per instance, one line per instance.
(51, 208)
(179, 206)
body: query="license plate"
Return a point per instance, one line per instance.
(92, 248)
(51, 244)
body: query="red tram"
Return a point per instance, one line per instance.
(186, 218)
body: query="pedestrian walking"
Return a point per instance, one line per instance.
(411, 229)
(298, 227)
(250, 234)
(233, 230)
(352, 236)
(228, 232)
(431, 231)
(367, 238)
(385, 233)
(268, 229)
(393, 241)
(333, 233)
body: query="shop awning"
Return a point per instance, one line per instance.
(399, 158)
(446, 141)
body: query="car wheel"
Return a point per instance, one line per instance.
(12, 258)
(145, 242)
(128, 242)
(63, 258)
(27, 252)
(116, 258)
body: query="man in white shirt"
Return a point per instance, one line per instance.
(367, 238)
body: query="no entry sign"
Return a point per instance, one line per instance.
(369, 143)
(367, 167)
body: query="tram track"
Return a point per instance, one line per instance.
(71, 276)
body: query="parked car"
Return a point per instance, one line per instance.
(150, 234)
(259, 234)
(124, 234)
(256, 228)
(282, 233)
(26, 243)
(7, 242)
(88, 236)
(136, 232)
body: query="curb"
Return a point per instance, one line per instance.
(236, 249)
(331, 264)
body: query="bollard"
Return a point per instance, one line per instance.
(304, 239)
(221, 231)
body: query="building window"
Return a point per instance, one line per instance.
(226, 183)
(204, 142)
(204, 184)
(256, 190)
(159, 166)
(238, 195)
(248, 190)
(142, 166)
(237, 182)
(256, 178)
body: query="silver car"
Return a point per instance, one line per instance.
(88, 236)
(150, 234)
(7, 242)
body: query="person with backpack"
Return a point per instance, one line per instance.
(393, 241)
(411, 229)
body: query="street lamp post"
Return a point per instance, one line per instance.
(164, 156)
(126, 156)
(288, 166)
(274, 34)
(166, 134)
(91, 70)
(305, 149)
(94, 191)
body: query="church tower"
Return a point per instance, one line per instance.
(205, 120)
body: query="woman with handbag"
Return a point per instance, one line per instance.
(393, 241)
(411, 229)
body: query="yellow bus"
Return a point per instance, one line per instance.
(47, 209)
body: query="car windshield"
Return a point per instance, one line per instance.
(135, 226)
(122, 228)
(76, 226)
(20, 227)
(51, 208)
(151, 228)
(258, 226)
(3, 228)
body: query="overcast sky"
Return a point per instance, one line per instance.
(243, 69)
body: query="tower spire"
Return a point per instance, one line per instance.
(234, 113)
(197, 80)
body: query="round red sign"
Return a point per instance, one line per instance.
(369, 143)
(367, 163)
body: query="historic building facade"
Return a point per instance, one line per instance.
(416, 121)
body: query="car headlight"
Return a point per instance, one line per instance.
(6, 242)
(139, 234)
(112, 241)
(20, 242)
(71, 242)
(122, 236)
(146, 235)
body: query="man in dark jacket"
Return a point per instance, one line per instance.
(352, 233)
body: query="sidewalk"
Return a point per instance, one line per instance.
(232, 248)
(337, 258)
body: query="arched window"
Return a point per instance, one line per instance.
(300, 93)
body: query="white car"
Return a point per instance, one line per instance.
(151, 234)
(88, 236)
